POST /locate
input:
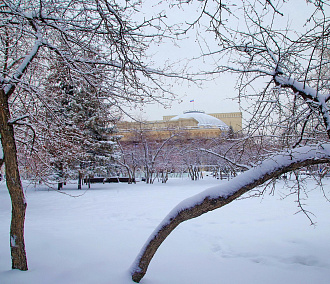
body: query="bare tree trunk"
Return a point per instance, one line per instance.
(186, 212)
(60, 176)
(191, 172)
(80, 176)
(130, 179)
(133, 175)
(14, 185)
(196, 173)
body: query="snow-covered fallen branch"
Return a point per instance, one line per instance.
(225, 193)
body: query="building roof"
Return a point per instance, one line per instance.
(203, 119)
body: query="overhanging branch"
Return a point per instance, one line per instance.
(223, 194)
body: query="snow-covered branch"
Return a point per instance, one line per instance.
(310, 95)
(9, 88)
(225, 193)
(14, 120)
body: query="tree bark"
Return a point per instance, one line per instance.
(14, 185)
(79, 180)
(60, 176)
(184, 211)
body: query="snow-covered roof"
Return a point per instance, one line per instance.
(203, 119)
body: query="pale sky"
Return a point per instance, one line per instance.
(213, 96)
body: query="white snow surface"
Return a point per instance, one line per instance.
(224, 190)
(202, 119)
(95, 238)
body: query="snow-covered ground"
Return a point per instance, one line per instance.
(95, 238)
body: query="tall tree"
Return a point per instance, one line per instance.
(85, 125)
(292, 108)
(92, 116)
(98, 45)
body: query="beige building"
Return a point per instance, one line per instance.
(191, 124)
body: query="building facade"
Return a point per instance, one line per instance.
(191, 124)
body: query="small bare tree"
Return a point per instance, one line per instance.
(145, 148)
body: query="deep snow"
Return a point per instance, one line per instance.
(95, 238)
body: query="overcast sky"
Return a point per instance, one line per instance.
(215, 95)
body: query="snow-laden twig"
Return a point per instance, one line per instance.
(15, 120)
(310, 95)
